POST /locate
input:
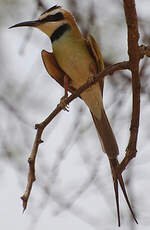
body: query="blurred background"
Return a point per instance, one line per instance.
(73, 188)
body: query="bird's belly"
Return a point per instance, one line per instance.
(77, 68)
(79, 75)
(80, 68)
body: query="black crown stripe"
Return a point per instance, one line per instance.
(53, 18)
(51, 9)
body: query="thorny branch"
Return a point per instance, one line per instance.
(135, 54)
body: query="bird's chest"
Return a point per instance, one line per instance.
(74, 59)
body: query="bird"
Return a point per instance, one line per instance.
(74, 61)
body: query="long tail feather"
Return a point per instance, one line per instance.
(121, 182)
(110, 147)
(117, 200)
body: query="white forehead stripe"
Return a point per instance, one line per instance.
(49, 13)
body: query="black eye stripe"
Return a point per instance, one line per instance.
(53, 18)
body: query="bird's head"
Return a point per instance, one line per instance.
(51, 20)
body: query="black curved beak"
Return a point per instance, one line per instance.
(28, 23)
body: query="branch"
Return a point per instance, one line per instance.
(40, 127)
(134, 58)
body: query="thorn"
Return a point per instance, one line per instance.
(41, 141)
(24, 203)
(36, 126)
(30, 160)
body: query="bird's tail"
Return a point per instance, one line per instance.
(110, 147)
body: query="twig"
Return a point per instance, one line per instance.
(40, 127)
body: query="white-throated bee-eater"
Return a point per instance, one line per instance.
(79, 59)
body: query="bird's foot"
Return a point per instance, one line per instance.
(62, 100)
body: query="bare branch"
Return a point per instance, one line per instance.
(134, 58)
(40, 127)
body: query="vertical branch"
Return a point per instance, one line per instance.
(134, 58)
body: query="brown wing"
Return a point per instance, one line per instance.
(96, 54)
(53, 68)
